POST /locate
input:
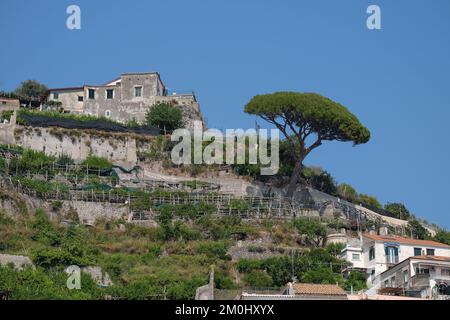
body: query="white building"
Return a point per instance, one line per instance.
(375, 254)
(419, 276)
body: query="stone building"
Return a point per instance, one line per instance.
(125, 98)
(8, 105)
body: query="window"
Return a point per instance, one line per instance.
(430, 252)
(405, 276)
(80, 98)
(355, 256)
(417, 252)
(372, 253)
(445, 272)
(422, 271)
(393, 282)
(55, 95)
(91, 93)
(138, 91)
(109, 94)
(108, 113)
(391, 254)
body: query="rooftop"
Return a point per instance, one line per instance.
(407, 241)
(434, 258)
(105, 84)
(318, 289)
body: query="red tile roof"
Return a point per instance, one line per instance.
(436, 258)
(402, 240)
(318, 289)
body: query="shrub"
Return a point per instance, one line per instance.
(40, 284)
(64, 160)
(347, 192)
(6, 115)
(258, 279)
(417, 230)
(32, 160)
(239, 204)
(321, 275)
(399, 210)
(165, 117)
(94, 162)
(442, 236)
(312, 229)
(247, 265)
(42, 186)
(48, 258)
(370, 200)
(217, 250)
(335, 248)
(223, 281)
(43, 229)
(355, 281)
(5, 219)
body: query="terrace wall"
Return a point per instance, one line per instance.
(79, 144)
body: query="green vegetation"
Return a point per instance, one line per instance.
(313, 230)
(42, 284)
(416, 230)
(31, 90)
(6, 115)
(442, 236)
(300, 115)
(41, 186)
(399, 210)
(165, 117)
(169, 261)
(314, 266)
(57, 115)
(95, 162)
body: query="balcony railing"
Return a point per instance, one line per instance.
(420, 279)
(392, 259)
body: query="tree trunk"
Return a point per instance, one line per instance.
(294, 178)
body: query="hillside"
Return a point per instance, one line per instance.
(156, 231)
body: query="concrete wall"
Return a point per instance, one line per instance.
(69, 100)
(7, 131)
(9, 104)
(118, 148)
(90, 212)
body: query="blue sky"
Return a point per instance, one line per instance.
(396, 80)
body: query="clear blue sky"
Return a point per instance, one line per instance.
(396, 80)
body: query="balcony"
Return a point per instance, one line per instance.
(420, 280)
(392, 260)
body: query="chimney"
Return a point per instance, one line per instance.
(383, 231)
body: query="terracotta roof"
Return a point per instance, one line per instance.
(436, 258)
(318, 289)
(402, 240)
